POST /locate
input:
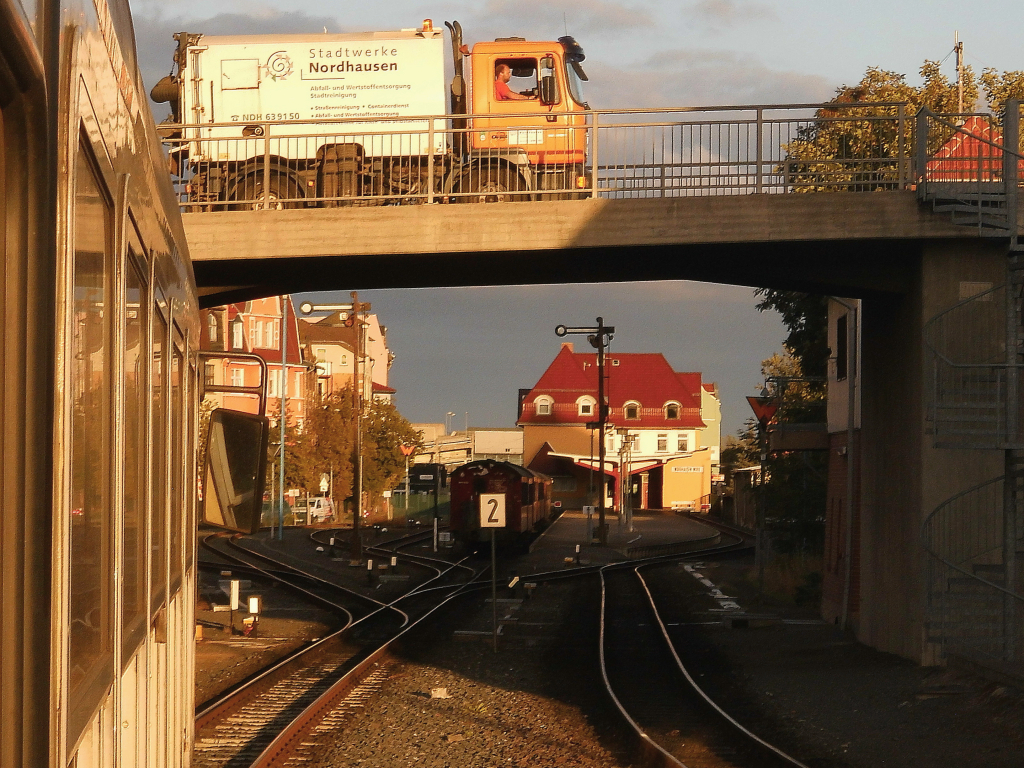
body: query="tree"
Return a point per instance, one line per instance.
(324, 447)
(1000, 88)
(385, 431)
(805, 316)
(858, 144)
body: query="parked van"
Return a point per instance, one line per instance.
(319, 509)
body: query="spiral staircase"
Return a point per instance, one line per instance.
(975, 540)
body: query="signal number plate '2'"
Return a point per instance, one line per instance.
(492, 510)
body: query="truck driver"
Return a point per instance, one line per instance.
(502, 74)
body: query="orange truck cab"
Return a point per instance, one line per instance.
(535, 142)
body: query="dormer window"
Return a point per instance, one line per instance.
(543, 404)
(671, 410)
(586, 406)
(631, 410)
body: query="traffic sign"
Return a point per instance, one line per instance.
(492, 510)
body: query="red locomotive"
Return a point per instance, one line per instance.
(527, 500)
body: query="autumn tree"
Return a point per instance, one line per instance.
(324, 447)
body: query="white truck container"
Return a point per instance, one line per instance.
(247, 80)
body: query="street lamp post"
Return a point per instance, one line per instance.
(598, 336)
(355, 312)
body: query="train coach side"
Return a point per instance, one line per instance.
(100, 403)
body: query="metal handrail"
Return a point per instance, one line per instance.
(960, 129)
(727, 149)
(925, 540)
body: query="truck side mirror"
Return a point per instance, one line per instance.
(235, 469)
(548, 83)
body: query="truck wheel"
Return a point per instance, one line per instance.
(491, 185)
(248, 194)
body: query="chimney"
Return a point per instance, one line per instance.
(567, 345)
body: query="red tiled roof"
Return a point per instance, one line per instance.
(969, 156)
(644, 378)
(383, 388)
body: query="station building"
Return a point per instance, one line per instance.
(662, 432)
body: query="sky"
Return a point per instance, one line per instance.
(469, 350)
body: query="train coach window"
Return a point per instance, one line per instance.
(158, 432)
(90, 607)
(133, 574)
(175, 550)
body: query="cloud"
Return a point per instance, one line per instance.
(698, 77)
(155, 43)
(719, 15)
(542, 20)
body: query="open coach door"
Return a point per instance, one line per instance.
(235, 463)
(235, 470)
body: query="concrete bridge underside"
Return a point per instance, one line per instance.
(854, 244)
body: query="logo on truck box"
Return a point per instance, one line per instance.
(279, 65)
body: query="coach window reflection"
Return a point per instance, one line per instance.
(90, 659)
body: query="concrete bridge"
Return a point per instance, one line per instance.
(916, 240)
(849, 243)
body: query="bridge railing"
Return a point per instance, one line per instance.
(690, 152)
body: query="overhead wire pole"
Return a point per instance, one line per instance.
(598, 337)
(353, 318)
(284, 413)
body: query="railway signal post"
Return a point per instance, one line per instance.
(598, 336)
(492, 515)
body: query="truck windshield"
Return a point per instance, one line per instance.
(575, 83)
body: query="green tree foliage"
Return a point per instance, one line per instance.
(385, 431)
(805, 316)
(1000, 87)
(857, 143)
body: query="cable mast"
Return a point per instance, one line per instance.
(958, 49)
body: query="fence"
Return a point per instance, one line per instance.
(727, 150)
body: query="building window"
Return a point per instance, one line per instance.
(683, 444)
(237, 335)
(274, 383)
(585, 406)
(255, 335)
(344, 359)
(672, 411)
(842, 348)
(209, 374)
(662, 443)
(631, 410)
(275, 329)
(563, 484)
(237, 377)
(543, 404)
(211, 326)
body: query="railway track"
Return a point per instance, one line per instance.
(270, 719)
(676, 723)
